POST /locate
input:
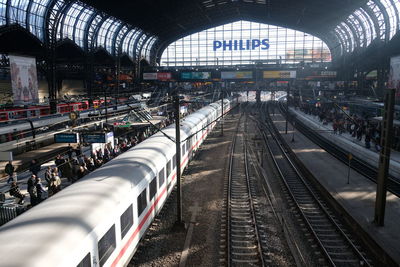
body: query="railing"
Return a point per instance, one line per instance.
(7, 213)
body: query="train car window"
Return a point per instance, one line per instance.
(142, 202)
(86, 262)
(126, 221)
(161, 178)
(153, 188)
(189, 144)
(169, 168)
(174, 162)
(106, 245)
(183, 150)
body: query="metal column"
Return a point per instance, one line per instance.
(384, 158)
(179, 221)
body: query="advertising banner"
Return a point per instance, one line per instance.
(24, 79)
(394, 76)
(160, 76)
(280, 74)
(230, 75)
(195, 75)
(150, 76)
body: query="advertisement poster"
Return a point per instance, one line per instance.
(154, 76)
(195, 75)
(24, 79)
(279, 74)
(394, 76)
(230, 75)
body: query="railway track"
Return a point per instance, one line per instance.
(335, 242)
(359, 165)
(244, 241)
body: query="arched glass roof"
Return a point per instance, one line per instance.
(377, 19)
(245, 42)
(78, 22)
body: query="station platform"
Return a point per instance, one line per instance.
(357, 197)
(349, 143)
(21, 162)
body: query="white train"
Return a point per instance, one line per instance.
(99, 220)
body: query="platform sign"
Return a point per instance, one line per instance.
(94, 138)
(66, 138)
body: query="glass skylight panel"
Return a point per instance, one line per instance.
(358, 29)
(350, 37)
(17, 12)
(81, 25)
(110, 36)
(36, 17)
(391, 11)
(342, 37)
(380, 18)
(369, 27)
(140, 44)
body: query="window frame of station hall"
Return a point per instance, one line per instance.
(285, 46)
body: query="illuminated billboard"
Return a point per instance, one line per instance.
(230, 75)
(279, 74)
(195, 75)
(24, 79)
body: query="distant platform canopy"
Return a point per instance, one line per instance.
(245, 42)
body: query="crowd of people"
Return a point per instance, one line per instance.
(358, 127)
(73, 166)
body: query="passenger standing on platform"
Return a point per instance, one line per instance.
(55, 184)
(67, 171)
(368, 139)
(47, 176)
(32, 189)
(35, 167)
(15, 192)
(41, 192)
(60, 161)
(69, 152)
(9, 170)
(75, 170)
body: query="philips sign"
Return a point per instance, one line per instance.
(241, 44)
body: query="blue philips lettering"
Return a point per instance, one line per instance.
(226, 45)
(255, 43)
(241, 45)
(265, 44)
(217, 44)
(252, 44)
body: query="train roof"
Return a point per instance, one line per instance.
(43, 235)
